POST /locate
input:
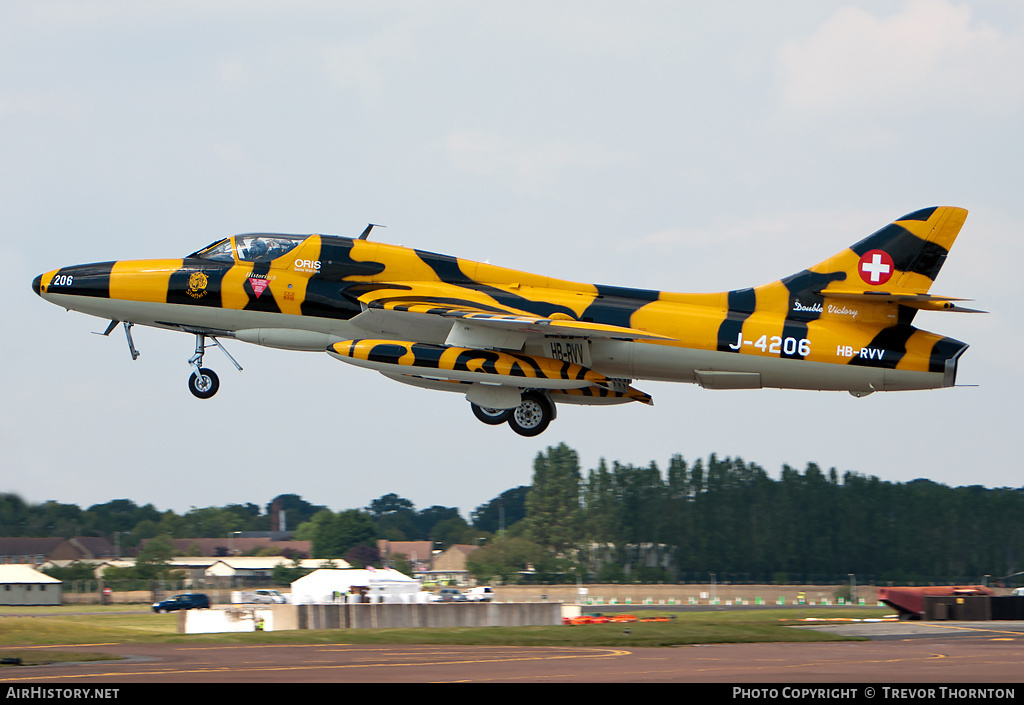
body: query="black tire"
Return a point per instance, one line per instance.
(207, 386)
(491, 417)
(532, 416)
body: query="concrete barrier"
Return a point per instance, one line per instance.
(448, 614)
(243, 618)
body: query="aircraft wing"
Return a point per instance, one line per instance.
(482, 326)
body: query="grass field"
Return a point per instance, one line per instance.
(116, 624)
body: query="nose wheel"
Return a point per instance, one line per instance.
(204, 382)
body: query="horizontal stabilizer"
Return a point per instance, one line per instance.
(924, 302)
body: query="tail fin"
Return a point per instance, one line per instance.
(903, 257)
(897, 264)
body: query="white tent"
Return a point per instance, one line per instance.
(379, 585)
(22, 584)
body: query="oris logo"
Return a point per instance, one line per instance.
(307, 265)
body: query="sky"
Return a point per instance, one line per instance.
(682, 146)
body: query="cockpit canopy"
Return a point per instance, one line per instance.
(255, 247)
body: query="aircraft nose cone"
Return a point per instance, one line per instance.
(37, 283)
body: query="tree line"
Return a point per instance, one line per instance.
(623, 522)
(729, 517)
(350, 534)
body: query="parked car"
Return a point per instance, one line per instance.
(449, 595)
(1019, 592)
(482, 593)
(268, 597)
(186, 601)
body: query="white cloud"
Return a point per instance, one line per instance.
(931, 56)
(363, 65)
(734, 252)
(532, 167)
(40, 103)
(231, 154)
(233, 73)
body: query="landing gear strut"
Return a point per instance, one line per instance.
(204, 382)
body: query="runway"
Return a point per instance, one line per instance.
(986, 652)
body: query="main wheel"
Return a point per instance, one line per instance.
(491, 417)
(205, 384)
(532, 416)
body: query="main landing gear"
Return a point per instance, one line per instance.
(204, 382)
(530, 418)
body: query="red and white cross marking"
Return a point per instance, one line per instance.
(876, 267)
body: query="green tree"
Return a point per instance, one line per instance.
(428, 518)
(501, 512)
(337, 534)
(297, 510)
(449, 532)
(307, 530)
(395, 518)
(505, 559)
(75, 571)
(213, 522)
(288, 573)
(387, 504)
(153, 560)
(554, 517)
(13, 515)
(120, 515)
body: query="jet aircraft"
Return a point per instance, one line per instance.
(516, 344)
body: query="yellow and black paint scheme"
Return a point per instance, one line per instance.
(509, 336)
(468, 365)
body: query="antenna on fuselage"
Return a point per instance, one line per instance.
(371, 226)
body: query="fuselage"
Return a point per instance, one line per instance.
(309, 292)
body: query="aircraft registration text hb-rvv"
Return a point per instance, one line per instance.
(516, 343)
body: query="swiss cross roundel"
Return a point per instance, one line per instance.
(876, 267)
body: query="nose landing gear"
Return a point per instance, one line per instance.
(204, 382)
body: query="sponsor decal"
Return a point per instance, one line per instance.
(813, 308)
(307, 265)
(842, 311)
(197, 282)
(831, 308)
(258, 285)
(876, 267)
